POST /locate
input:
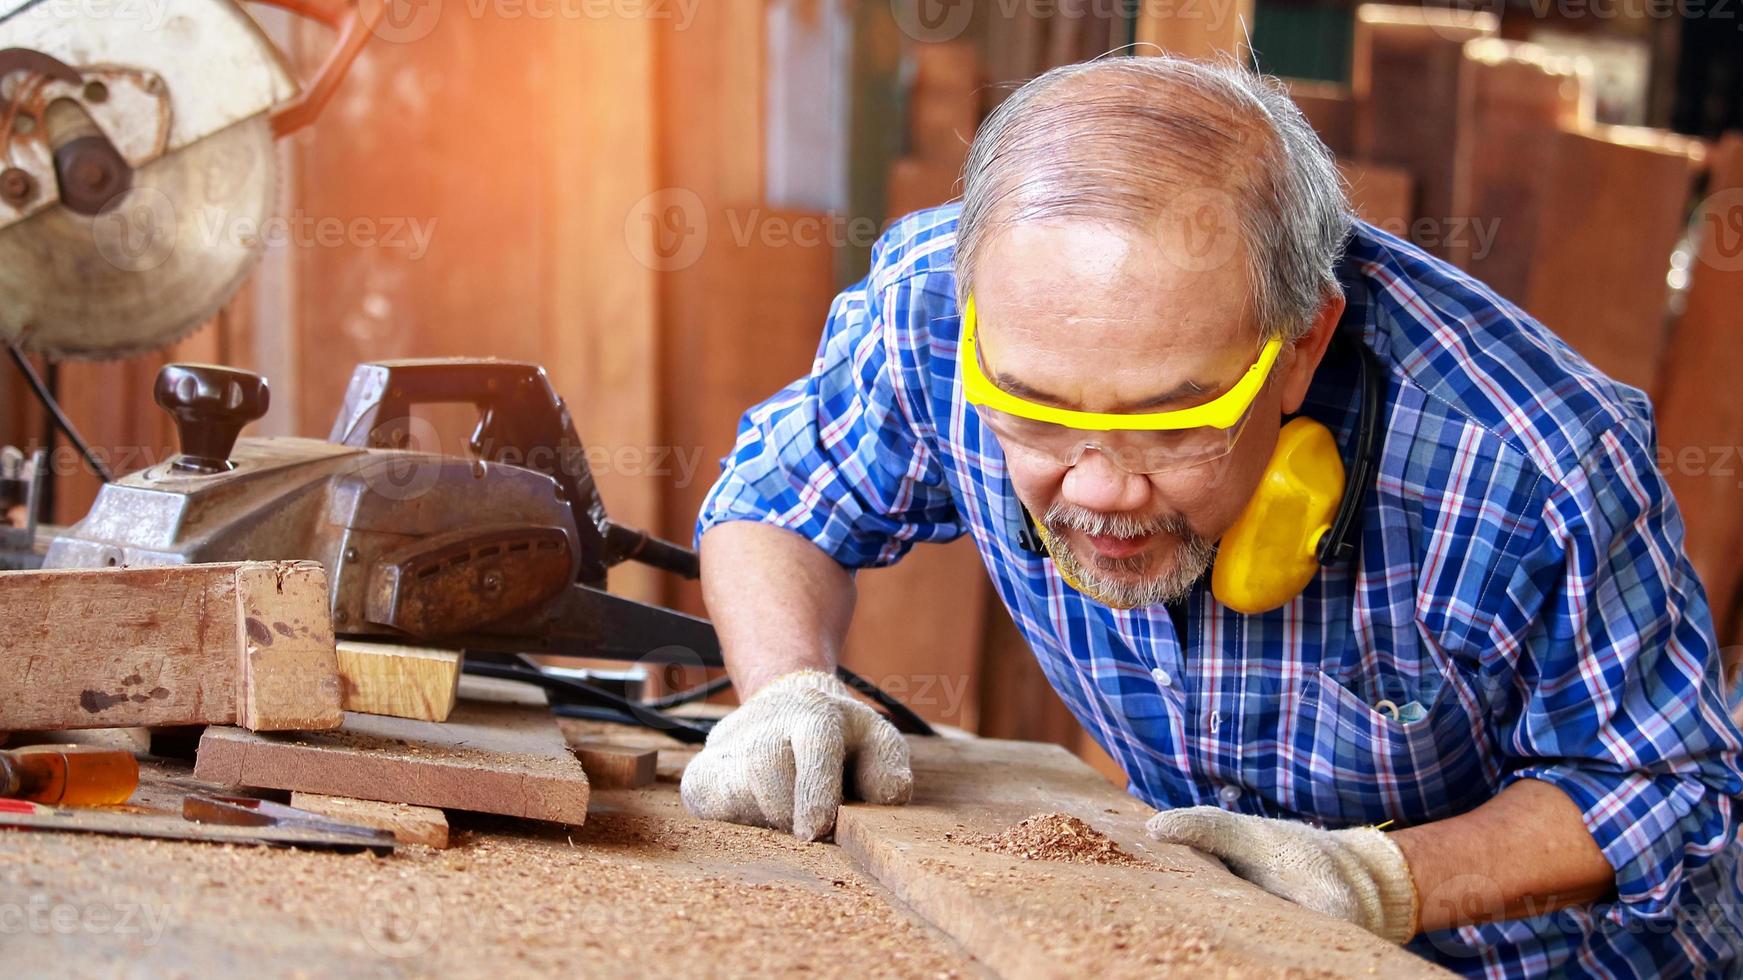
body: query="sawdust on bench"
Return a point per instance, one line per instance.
(624, 895)
(1055, 837)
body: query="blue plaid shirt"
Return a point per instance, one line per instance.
(1521, 579)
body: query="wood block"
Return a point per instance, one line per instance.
(1700, 417)
(942, 124)
(401, 681)
(946, 67)
(748, 315)
(1598, 269)
(499, 752)
(916, 184)
(918, 627)
(124, 647)
(1380, 195)
(1514, 98)
(410, 824)
(1404, 78)
(616, 766)
(1172, 910)
(1202, 31)
(289, 677)
(1329, 110)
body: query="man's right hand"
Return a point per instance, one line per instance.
(777, 761)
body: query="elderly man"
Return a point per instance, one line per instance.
(1461, 689)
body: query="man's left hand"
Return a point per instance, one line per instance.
(1357, 874)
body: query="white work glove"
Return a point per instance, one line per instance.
(778, 760)
(1357, 874)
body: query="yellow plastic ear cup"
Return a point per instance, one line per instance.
(1270, 553)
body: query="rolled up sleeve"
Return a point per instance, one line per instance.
(834, 456)
(1616, 695)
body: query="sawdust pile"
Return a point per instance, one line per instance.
(1056, 837)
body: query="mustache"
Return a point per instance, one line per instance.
(1063, 517)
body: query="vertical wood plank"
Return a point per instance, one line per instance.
(1700, 417)
(1202, 31)
(1514, 98)
(602, 320)
(1404, 78)
(1597, 274)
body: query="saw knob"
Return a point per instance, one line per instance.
(210, 405)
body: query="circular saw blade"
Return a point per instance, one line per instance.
(154, 264)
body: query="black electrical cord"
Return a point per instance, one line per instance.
(903, 717)
(588, 695)
(53, 407)
(579, 699)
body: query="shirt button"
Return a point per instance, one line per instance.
(1161, 676)
(1229, 794)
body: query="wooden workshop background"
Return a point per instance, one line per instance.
(657, 201)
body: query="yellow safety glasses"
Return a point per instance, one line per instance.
(1142, 443)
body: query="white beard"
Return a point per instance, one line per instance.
(1120, 582)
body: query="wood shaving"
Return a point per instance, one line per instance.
(1055, 837)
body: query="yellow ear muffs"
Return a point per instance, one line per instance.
(1271, 552)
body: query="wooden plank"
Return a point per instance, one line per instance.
(1380, 195)
(1599, 279)
(499, 752)
(1202, 31)
(1404, 77)
(289, 677)
(917, 183)
(760, 296)
(120, 647)
(396, 680)
(1514, 98)
(601, 335)
(611, 766)
(917, 630)
(410, 824)
(1329, 109)
(1171, 910)
(1700, 417)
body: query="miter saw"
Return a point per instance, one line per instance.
(136, 161)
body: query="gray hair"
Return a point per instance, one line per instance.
(1119, 139)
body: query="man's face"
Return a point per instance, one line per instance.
(1097, 318)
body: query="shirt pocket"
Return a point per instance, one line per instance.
(1384, 768)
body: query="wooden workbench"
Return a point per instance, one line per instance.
(643, 889)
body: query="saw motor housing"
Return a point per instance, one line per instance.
(417, 544)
